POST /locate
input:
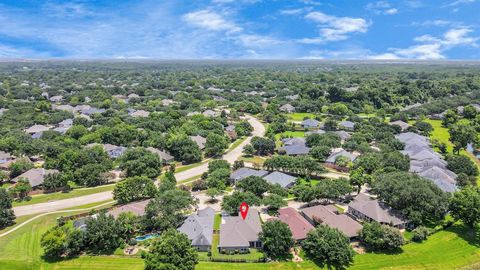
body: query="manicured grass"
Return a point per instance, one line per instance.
(189, 180)
(189, 166)
(236, 143)
(217, 221)
(299, 116)
(252, 256)
(41, 198)
(290, 134)
(254, 159)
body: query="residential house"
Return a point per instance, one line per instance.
(294, 141)
(284, 180)
(298, 225)
(310, 123)
(240, 234)
(340, 152)
(211, 113)
(343, 135)
(139, 113)
(35, 176)
(366, 208)
(113, 151)
(199, 228)
(137, 208)
(347, 125)
(199, 140)
(67, 108)
(318, 131)
(56, 98)
(245, 172)
(328, 215)
(164, 156)
(443, 178)
(5, 157)
(36, 129)
(295, 150)
(287, 108)
(401, 124)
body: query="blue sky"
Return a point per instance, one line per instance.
(241, 29)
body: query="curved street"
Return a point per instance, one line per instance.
(231, 156)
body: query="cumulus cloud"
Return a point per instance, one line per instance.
(210, 20)
(333, 28)
(381, 7)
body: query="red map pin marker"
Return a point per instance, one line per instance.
(244, 210)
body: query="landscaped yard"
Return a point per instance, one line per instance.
(299, 116)
(41, 198)
(290, 134)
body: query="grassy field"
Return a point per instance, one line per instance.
(41, 198)
(299, 116)
(290, 134)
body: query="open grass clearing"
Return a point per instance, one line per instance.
(299, 116)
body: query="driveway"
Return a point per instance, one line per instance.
(234, 154)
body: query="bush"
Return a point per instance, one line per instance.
(420, 234)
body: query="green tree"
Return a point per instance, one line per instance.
(167, 182)
(54, 182)
(243, 128)
(274, 202)
(22, 188)
(20, 166)
(277, 239)
(218, 164)
(173, 250)
(140, 162)
(6, 213)
(461, 134)
(218, 179)
(320, 153)
(102, 233)
(462, 164)
(328, 246)
(134, 189)
(231, 203)
(465, 206)
(254, 184)
(215, 145)
(381, 237)
(263, 146)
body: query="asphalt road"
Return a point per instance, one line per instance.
(231, 156)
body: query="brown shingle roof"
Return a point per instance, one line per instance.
(327, 216)
(298, 225)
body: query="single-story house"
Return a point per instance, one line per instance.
(199, 140)
(294, 141)
(66, 123)
(4, 157)
(211, 113)
(295, 150)
(199, 228)
(328, 215)
(56, 98)
(310, 123)
(164, 156)
(343, 135)
(340, 152)
(287, 108)
(67, 108)
(443, 178)
(35, 176)
(137, 208)
(401, 124)
(245, 172)
(113, 151)
(284, 180)
(36, 129)
(239, 234)
(347, 125)
(366, 208)
(298, 225)
(139, 113)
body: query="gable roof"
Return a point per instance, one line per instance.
(287, 108)
(35, 176)
(376, 210)
(199, 227)
(162, 154)
(443, 178)
(4, 156)
(327, 215)
(347, 124)
(298, 225)
(341, 153)
(294, 141)
(343, 134)
(310, 123)
(237, 232)
(199, 140)
(140, 113)
(296, 149)
(400, 123)
(36, 129)
(137, 208)
(284, 180)
(407, 136)
(245, 172)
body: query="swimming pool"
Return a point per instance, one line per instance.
(146, 237)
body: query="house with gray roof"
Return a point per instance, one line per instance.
(199, 140)
(310, 123)
(199, 228)
(409, 136)
(245, 172)
(113, 151)
(443, 178)
(401, 124)
(287, 108)
(328, 215)
(347, 125)
(36, 129)
(318, 131)
(164, 156)
(343, 135)
(211, 113)
(139, 113)
(340, 152)
(284, 180)
(239, 234)
(136, 208)
(56, 98)
(67, 108)
(295, 150)
(366, 208)
(34, 176)
(91, 111)
(294, 141)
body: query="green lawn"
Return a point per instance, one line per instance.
(236, 143)
(254, 159)
(449, 249)
(41, 198)
(189, 166)
(299, 116)
(217, 221)
(252, 256)
(290, 134)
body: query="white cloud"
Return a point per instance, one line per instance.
(381, 7)
(424, 52)
(333, 28)
(459, 2)
(210, 20)
(295, 11)
(458, 36)
(250, 40)
(438, 23)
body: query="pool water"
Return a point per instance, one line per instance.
(146, 237)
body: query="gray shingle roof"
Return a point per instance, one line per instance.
(164, 156)
(324, 215)
(347, 124)
(375, 210)
(341, 153)
(199, 140)
(199, 227)
(35, 176)
(245, 172)
(284, 180)
(294, 141)
(310, 123)
(236, 232)
(443, 178)
(295, 149)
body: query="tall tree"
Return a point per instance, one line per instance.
(6, 213)
(465, 206)
(277, 239)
